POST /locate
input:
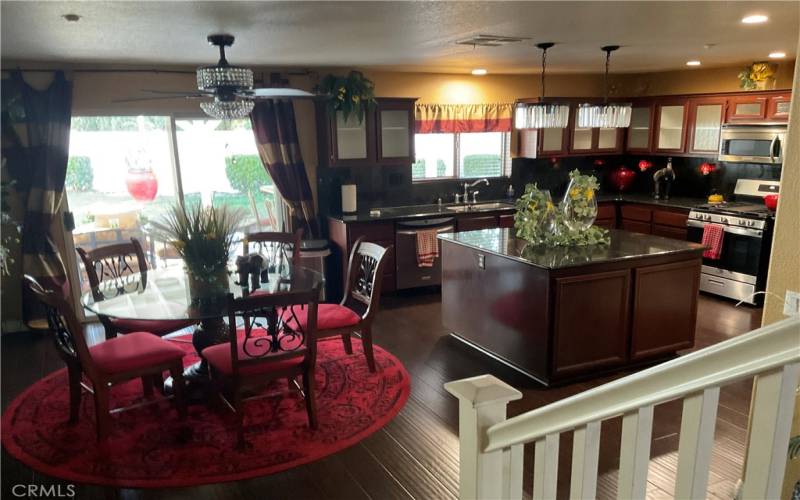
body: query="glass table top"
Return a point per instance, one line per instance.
(163, 294)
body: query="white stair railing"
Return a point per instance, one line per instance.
(491, 445)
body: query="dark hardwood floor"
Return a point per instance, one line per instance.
(416, 455)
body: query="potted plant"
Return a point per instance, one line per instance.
(352, 94)
(203, 237)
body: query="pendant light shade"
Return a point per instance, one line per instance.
(541, 114)
(606, 115)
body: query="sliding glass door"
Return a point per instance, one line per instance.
(125, 171)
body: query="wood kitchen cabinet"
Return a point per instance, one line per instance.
(593, 140)
(484, 220)
(385, 136)
(747, 108)
(649, 219)
(640, 131)
(606, 215)
(670, 125)
(706, 116)
(778, 107)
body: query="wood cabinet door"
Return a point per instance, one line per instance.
(670, 125)
(641, 213)
(636, 226)
(352, 142)
(778, 107)
(608, 140)
(505, 220)
(591, 322)
(661, 298)
(553, 141)
(706, 116)
(747, 108)
(394, 128)
(640, 131)
(675, 233)
(475, 223)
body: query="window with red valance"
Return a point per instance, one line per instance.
(462, 141)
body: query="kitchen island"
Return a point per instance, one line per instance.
(556, 314)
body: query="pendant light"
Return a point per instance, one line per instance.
(541, 114)
(613, 115)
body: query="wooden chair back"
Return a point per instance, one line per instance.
(120, 262)
(274, 244)
(277, 310)
(365, 278)
(67, 330)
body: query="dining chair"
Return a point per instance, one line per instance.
(356, 312)
(255, 355)
(121, 262)
(275, 243)
(136, 355)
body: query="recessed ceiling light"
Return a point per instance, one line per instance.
(777, 55)
(693, 63)
(755, 19)
(479, 71)
(71, 18)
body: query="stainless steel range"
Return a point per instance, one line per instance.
(741, 269)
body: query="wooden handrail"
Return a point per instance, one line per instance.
(759, 351)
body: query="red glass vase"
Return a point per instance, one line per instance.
(142, 184)
(622, 178)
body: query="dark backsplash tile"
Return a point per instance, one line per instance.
(384, 186)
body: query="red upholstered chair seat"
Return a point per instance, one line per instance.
(329, 316)
(157, 327)
(133, 351)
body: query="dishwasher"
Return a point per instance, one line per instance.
(409, 274)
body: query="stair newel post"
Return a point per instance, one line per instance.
(482, 402)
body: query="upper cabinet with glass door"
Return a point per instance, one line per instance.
(670, 125)
(384, 135)
(759, 107)
(706, 115)
(640, 131)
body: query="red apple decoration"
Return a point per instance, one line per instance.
(142, 184)
(644, 165)
(622, 178)
(771, 201)
(599, 162)
(707, 168)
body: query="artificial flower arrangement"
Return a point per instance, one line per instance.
(352, 94)
(757, 76)
(203, 237)
(540, 222)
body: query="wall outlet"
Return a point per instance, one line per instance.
(791, 304)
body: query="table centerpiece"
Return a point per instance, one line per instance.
(203, 237)
(540, 222)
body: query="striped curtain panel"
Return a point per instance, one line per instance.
(452, 118)
(35, 149)
(276, 137)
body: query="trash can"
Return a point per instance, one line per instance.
(312, 255)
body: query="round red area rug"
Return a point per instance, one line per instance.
(150, 447)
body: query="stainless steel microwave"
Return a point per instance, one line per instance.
(752, 143)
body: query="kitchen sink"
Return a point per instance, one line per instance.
(480, 207)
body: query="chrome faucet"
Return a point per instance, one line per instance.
(467, 185)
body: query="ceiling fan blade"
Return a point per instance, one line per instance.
(276, 93)
(160, 97)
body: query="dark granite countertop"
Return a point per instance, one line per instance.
(420, 212)
(676, 202)
(624, 245)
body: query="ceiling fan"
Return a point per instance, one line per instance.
(230, 86)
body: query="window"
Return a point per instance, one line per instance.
(121, 174)
(461, 155)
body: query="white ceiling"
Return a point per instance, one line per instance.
(410, 36)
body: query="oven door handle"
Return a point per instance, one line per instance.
(743, 231)
(772, 149)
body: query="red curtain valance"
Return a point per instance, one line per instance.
(450, 118)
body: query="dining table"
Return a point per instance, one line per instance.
(165, 294)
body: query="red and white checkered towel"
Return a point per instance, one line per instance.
(712, 239)
(427, 247)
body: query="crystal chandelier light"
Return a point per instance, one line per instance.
(606, 115)
(228, 110)
(224, 80)
(541, 114)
